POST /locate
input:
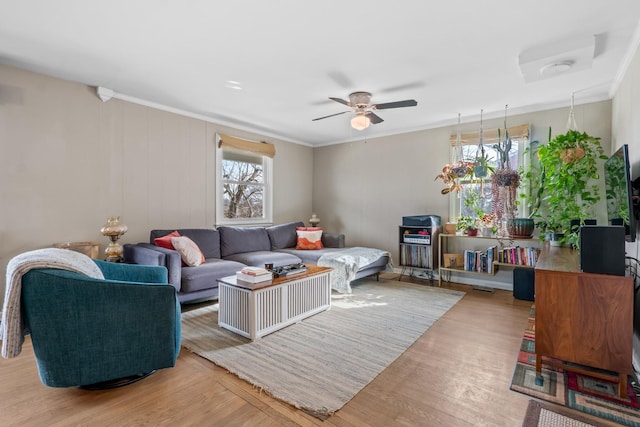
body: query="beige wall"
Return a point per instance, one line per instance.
(68, 160)
(626, 125)
(626, 130)
(365, 188)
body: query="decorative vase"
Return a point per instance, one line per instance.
(472, 232)
(520, 227)
(554, 238)
(450, 228)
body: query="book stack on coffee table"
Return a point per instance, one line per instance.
(254, 275)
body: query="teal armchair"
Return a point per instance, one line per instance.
(101, 333)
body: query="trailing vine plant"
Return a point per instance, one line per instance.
(569, 168)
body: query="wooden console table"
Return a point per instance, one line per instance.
(582, 318)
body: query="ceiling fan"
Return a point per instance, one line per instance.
(360, 104)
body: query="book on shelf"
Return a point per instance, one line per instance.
(480, 261)
(518, 255)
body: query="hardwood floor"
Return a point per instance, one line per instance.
(457, 374)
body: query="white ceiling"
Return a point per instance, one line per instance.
(289, 56)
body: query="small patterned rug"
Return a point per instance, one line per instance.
(544, 415)
(590, 395)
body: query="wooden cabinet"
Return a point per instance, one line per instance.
(582, 318)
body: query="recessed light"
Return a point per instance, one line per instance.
(232, 84)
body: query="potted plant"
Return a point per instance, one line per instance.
(487, 226)
(450, 174)
(569, 168)
(468, 225)
(481, 166)
(531, 191)
(504, 182)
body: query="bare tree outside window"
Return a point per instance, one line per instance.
(244, 187)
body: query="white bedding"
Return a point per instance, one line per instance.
(347, 262)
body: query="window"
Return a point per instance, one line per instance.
(476, 191)
(244, 182)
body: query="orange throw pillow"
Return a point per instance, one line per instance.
(165, 241)
(309, 238)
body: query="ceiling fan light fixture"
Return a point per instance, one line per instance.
(360, 121)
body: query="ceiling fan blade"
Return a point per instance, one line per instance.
(331, 115)
(403, 86)
(397, 104)
(375, 119)
(341, 101)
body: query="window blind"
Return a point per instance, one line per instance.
(490, 136)
(261, 148)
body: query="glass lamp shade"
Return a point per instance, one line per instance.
(314, 220)
(113, 227)
(360, 122)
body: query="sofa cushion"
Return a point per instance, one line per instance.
(189, 251)
(308, 257)
(284, 235)
(207, 239)
(260, 258)
(165, 241)
(309, 238)
(234, 240)
(206, 275)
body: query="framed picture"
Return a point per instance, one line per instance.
(453, 260)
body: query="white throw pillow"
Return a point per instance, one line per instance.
(189, 251)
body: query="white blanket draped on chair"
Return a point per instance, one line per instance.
(347, 262)
(12, 327)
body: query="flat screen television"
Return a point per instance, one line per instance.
(617, 178)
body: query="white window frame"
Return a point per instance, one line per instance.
(267, 209)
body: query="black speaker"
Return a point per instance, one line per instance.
(602, 249)
(524, 283)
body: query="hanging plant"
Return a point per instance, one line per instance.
(569, 164)
(504, 181)
(450, 174)
(455, 170)
(506, 178)
(481, 165)
(481, 169)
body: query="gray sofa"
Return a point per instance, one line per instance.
(229, 249)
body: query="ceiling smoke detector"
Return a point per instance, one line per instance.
(568, 56)
(556, 68)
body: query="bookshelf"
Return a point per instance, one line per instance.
(483, 255)
(418, 248)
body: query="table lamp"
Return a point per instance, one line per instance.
(113, 229)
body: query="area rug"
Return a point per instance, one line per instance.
(544, 415)
(590, 395)
(319, 364)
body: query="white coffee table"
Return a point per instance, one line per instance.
(254, 310)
